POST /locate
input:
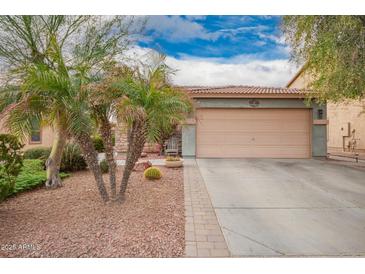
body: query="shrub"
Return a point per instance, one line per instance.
(98, 144)
(11, 162)
(104, 166)
(152, 173)
(32, 175)
(172, 158)
(41, 153)
(72, 159)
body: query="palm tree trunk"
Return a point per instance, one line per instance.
(136, 141)
(90, 154)
(106, 135)
(53, 162)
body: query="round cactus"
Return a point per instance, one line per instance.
(152, 173)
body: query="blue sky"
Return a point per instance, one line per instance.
(221, 50)
(215, 36)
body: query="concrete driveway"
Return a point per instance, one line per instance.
(269, 207)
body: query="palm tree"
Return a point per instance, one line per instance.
(103, 98)
(51, 45)
(149, 107)
(29, 40)
(58, 96)
(102, 114)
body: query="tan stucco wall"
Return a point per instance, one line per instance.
(46, 136)
(302, 81)
(338, 115)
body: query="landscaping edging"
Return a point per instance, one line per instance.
(203, 235)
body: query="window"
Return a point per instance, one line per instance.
(320, 114)
(35, 135)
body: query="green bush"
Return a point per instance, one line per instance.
(11, 162)
(31, 176)
(98, 144)
(72, 159)
(152, 173)
(41, 153)
(104, 166)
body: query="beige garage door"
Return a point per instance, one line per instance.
(266, 133)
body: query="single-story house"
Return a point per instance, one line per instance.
(257, 122)
(238, 122)
(346, 120)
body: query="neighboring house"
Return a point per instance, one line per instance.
(40, 136)
(346, 120)
(258, 122)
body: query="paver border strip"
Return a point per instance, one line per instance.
(203, 234)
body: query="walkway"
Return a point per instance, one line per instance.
(203, 235)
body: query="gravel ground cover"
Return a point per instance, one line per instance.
(72, 221)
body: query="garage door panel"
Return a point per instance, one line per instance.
(263, 133)
(242, 114)
(257, 138)
(251, 125)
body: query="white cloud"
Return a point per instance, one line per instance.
(238, 70)
(236, 59)
(260, 43)
(274, 73)
(177, 29)
(238, 30)
(277, 39)
(195, 17)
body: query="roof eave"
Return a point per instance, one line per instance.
(196, 95)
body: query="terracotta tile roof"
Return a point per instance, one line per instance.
(237, 90)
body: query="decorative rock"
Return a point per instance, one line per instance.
(149, 223)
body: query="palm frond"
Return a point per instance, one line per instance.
(21, 118)
(9, 95)
(149, 97)
(78, 119)
(49, 82)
